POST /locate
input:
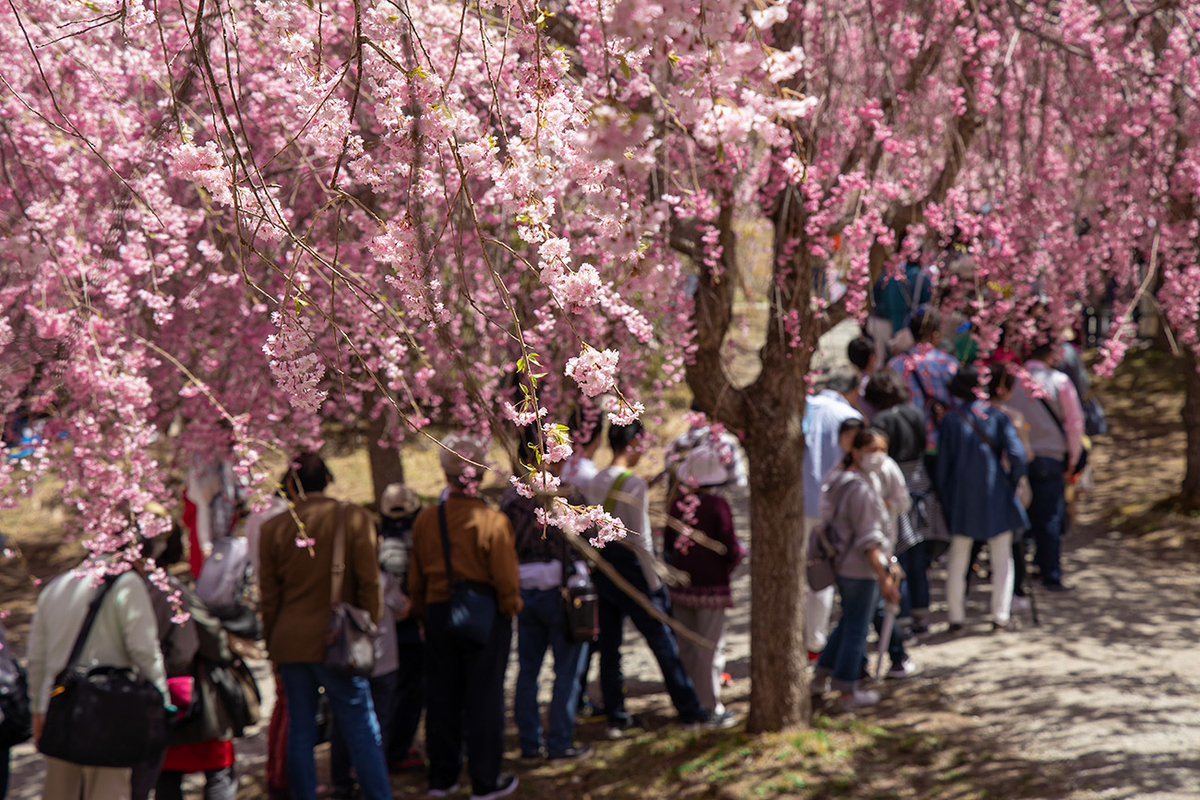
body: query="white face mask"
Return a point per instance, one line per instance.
(872, 462)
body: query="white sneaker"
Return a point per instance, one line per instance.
(1020, 603)
(905, 670)
(860, 699)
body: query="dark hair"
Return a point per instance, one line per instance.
(860, 351)
(925, 322)
(842, 380)
(1043, 347)
(850, 424)
(308, 472)
(965, 382)
(861, 440)
(885, 388)
(621, 436)
(585, 425)
(1002, 380)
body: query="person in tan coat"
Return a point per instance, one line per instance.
(296, 583)
(464, 680)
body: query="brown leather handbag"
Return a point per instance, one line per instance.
(350, 638)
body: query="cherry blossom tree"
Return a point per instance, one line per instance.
(292, 216)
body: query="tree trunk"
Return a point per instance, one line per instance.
(1191, 426)
(779, 695)
(386, 466)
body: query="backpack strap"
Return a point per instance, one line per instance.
(610, 501)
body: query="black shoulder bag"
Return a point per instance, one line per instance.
(472, 604)
(581, 604)
(103, 716)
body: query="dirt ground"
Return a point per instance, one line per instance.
(1096, 701)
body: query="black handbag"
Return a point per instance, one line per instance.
(581, 605)
(15, 717)
(350, 637)
(472, 604)
(102, 716)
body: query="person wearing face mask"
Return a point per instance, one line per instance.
(859, 524)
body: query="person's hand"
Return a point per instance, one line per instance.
(890, 589)
(39, 723)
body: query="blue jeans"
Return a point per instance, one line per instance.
(1047, 514)
(350, 698)
(615, 606)
(542, 624)
(842, 657)
(383, 698)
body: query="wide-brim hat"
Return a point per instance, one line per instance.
(703, 466)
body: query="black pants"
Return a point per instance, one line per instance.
(410, 699)
(466, 691)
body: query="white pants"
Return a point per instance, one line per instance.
(67, 781)
(818, 607)
(1001, 567)
(703, 665)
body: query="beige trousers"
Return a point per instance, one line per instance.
(703, 665)
(67, 781)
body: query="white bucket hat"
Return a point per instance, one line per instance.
(704, 465)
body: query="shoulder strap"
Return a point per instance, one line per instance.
(338, 568)
(610, 502)
(1054, 416)
(445, 543)
(979, 431)
(89, 620)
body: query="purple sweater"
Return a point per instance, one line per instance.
(708, 569)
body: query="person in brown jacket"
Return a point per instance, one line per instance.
(465, 680)
(296, 582)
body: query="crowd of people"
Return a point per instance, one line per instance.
(910, 457)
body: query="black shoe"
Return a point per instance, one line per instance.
(920, 626)
(617, 726)
(532, 757)
(1057, 587)
(571, 753)
(506, 784)
(956, 627)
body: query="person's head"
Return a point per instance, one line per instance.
(868, 450)
(926, 325)
(703, 466)
(307, 475)
(861, 352)
(965, 383)
(586, 425)
(1002, 383)
(885, 388)
(844, 380)
(623, 440)
(1043, 348)
(461, 457)
(399, 501)
(847, 431)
